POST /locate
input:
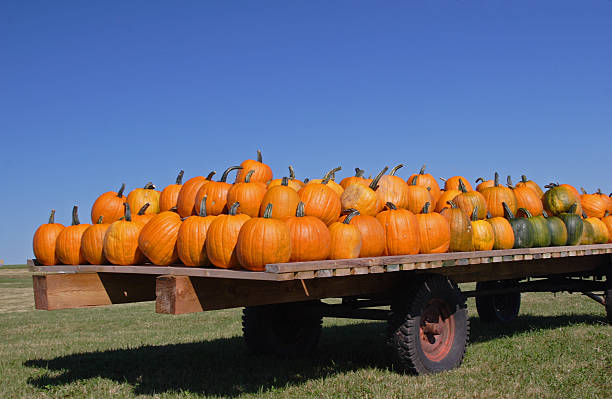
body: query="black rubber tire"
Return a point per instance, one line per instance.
(405, 326)
(502, 308)
(287, 330)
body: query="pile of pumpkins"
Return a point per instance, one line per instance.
(259, 220)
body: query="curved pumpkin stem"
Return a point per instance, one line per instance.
(413, 182)
(496, 181)
(583, 190)
(75, 215)
(525, 212)
(350, 216)
(300, 210)
(422, 171)
(227, 171)
(462, 186)
(234, 208)
(509, 181)
(100, 219)
(425, 209)
(291, 173)
(507, 212)
(127, 212)
(552, 185)
(247, 179)
(285, 181)
(179, 178)
(480, 179)
(474, 216)
(259, 158)
(210, 175)
(149, 186)
(395, 168)
(202, 212)
(359, 172)
(391, 206)
(52, 217)
(142, 210)
(120, 192)
(329, 175)
(452, 204)
(268, 212)
(572, 209)
(374, 184)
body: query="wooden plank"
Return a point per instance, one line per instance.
(342, 272)
(324, 273)
(360, 270)
(392, 268)
(72, 290)
(408, 266)
(376, 269)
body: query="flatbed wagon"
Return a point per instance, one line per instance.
(418, 295)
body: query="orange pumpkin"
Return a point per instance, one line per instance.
(606, 199)
(527, 198)
(293, 182)
(186, 201)
(262, 174)
(121, 241)
(92, 243)
(345, 239)
(372, 234)
(600, 230)
(483, 235)
(593, 204)
(329, 177)
(284, 199)
(157, 239)
(216, 192)
(502, 233)
(434, 232)
(446, 196)
(310, 237)
(321, 201)
(452, 183)
(495, 195)
(142, 216)
(461, 233)
(358, 178)
(470, 200)
(109, 205)
(401, 231)
(68, 243)
(531, 184)
(363, 198)
(393, 189)
(191, 239)
(140, 196)
(44, 241)
(417, 196)
(607, 220)
(249, 194)
(169, 195)
(484, 184)
(223, 236)
(428, 181)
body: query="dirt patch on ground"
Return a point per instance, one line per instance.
(16, 300)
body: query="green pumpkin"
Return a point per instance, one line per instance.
(558, 199)
(541, 236)
(558, 231)
(574, 226)
(523, 229)
(588, 234)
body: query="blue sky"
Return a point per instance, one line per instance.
(96, 94)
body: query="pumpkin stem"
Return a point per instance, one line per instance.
(179, 178)
(480, 179)
(306, 180)
(572, 209)
(247, 179)
(599, 191)
(413, 182)
(291, 173)
(210, 175)
(443, 179)
(374, 184)
(509, 181)
(391, 205)
(584, 215)
(149, 186)
(348, 210)
(224, 176)
(173, 209)
(52, 217)
(259, 158)
(544, 213)
(143, 209)
(300, 210)
(359, 172)
(100, 219)
(462, 186)
(120, 192)
(496, 181)
(507, 212)
(127, 213)
(425, 209)
(268, 212)
(422, 171)
(474, 214)
(583, 190)
(523, 179)
(234, 208)
(285, 181)
(452, 204)
(607, 213)
(489, 216)
(551, 185)
(202, 211)
(75, 215)
(332, 173)
(395, 168)
(525, 211)
(350, 216)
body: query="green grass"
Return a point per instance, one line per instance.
(560, 347)
(4, 267)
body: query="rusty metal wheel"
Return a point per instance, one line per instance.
(429, 327)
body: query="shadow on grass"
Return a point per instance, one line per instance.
(224, 366)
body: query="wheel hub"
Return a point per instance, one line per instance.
(437, 330)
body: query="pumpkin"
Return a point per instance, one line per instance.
(186, 201)
(329, 176)
(522, 227)
(223, 236)
(573, 224)
(191, 238)
(446, 196)
(68, 243)
(92, 243)
(109, 205)
(593, 204)
(216, 192)
(461, 234)
(434, 232)
(470, 200)
(484, 184)
(527, 198)
(588, 234)
(310, 237)
(284, 199)
(157, 239)
(169, 195)
(321, 201)
(401, 231)
(428, 181)
(141, 216)
(502, 231)
(372, 234)
(358, 178)
(495, 195)
(598, 228)
(363, 198)
(607, 220)
(249, 194)
(483, 235)
(606, 199)
(393, 189)
(140, 196)
(44, 241)
(345, 239)
(530, 184)
(121, 241)
(541, 231)
(293, 182)
(262, 174)
(263, 240)
(559, 199)
(558, 231)
(453, 183)
(417, 196)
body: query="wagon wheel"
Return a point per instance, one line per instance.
(429, 327)
(502, 308)
(289, 329)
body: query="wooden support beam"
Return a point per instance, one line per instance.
(66, 291)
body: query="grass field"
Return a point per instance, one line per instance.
(560, 347)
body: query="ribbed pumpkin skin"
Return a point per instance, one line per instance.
(494, 196)
(345, 241)
(216, 191)
(558, 231)
(600, 230)
(416, 198)
(372, 235)
(401, 232)
(446, 196)
(593, 205)
(140, 196)
(222, 238)
(542, 235)
(528, 199)
(532, 185)
(44, 242)
(185, 202)
(434, 233)
(484, 238)
(484, 184)
(558, 199)
(262, 241)
(574, 226)
(157, 239)
(143, 219)
(347, 181)
(263, 173)
(426, 180)
(92, 244)
(310, 238)
(250, 196)
(121, 243)
(503, 233)
(452, 183)
(191, 240)
(332, 184)
(469, 200)
(524, 232)
(361, 198)
(588, 234)
(461, 239)
(393, 189)
(108, 205)
(321, 201)
(284, 199)
(169, 197)
(607, 220)
(68, 245)
(293, 183)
